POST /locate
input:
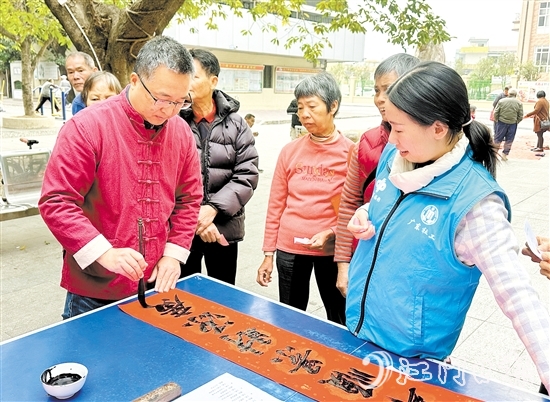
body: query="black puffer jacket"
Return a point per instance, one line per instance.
(229, 165)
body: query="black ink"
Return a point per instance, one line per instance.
(352, 382)
(61, 379)
(207, 322)
(299, 360)
(246, 339)
(176, 308)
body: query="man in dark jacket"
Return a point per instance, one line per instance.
(229, 166)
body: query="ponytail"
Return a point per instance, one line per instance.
(481, 142)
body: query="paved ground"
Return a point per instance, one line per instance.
(31, 258)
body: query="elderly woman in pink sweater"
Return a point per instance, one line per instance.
(305, 193)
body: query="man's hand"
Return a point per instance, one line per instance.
(545, 265)
(264, 272)
(342, 279)
(360, 226)
(166, 273)
(207, 214)
(211, 234)
(124, 261)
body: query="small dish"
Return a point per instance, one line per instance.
(64, 380)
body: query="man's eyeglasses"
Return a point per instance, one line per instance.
(186, 104)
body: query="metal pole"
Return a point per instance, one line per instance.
(63, 105)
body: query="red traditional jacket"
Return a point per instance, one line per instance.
(106, 171)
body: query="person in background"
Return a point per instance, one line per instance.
(295, 125)
(126, 159)
(508, 114)
(473, 111)
(436, 222)
(45, 96)
(303, 202)
(363, 161)
(540, 112)
(250, 120)
(502, 95)
(65, 86)
(99, 86)
(79, 66)
(229, 167)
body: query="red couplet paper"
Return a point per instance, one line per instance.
(315, 370)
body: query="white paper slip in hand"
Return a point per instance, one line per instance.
(301, 240)
(532, 240)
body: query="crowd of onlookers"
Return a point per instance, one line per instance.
(398, 227)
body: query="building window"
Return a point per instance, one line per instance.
(544, 17)
(237, 77)
(542, 58)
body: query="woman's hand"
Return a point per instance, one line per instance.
(360, 226)
(320, 240)
(264, 272)
(342, 279)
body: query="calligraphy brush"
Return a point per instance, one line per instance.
(141, 285)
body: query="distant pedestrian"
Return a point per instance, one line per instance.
(473, 111)
(502, 95)
(250, 120)
(539, 113)
(508, 113)
(65, 84)
(296, 129)
(45, 96)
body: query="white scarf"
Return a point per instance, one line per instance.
(407, 179)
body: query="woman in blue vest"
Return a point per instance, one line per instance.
(436, 222)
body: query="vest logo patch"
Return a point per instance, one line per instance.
(429, 215)
(380, 185)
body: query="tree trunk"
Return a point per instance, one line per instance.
(116, 35)
(27, 77)
(431, 52)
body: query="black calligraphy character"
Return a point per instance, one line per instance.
(246, 339)
(310, 366)
(414, 397)
(352, 382)
(208, 322)
(175, 308)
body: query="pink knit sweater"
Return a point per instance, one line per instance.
(305, 193)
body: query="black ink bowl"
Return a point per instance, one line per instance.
(64, 380)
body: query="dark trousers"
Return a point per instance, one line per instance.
(294, 275)
(220, 261)
(543, 390)
(540, 139)
(44, 99)
(505, 132)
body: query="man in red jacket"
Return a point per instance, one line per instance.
(125, 160)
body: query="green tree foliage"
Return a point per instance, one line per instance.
(484, 69)
(506, 66)
(31, 28)
(118, 28)
(459, 66)
(529, 72)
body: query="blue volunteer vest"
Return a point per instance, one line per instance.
(408, 293)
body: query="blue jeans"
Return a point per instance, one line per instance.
(294, 274)
(75, 305)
